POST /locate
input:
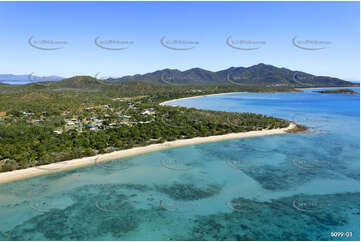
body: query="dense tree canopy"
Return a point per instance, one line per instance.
(44, 125)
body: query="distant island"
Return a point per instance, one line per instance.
(338, 91)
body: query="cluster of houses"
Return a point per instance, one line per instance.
(73, 123)
(93, 123)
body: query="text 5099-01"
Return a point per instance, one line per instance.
(341, 234)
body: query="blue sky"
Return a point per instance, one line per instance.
(207, 23)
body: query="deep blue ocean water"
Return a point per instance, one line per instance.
(303, 186)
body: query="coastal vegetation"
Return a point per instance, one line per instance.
(42, 123)
(338, 91)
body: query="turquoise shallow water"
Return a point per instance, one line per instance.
(282, 187)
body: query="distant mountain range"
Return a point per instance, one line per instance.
(260, 74)
(25, 79)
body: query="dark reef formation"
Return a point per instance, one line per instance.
(188, 192)
(120, 211)
(301, 217)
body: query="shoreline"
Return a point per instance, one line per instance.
(15, 175)
(206, 95)
(224, 93)
(328, 87)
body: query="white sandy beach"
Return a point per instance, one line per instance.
(169, 101)
(71, 164)
(207, 95)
